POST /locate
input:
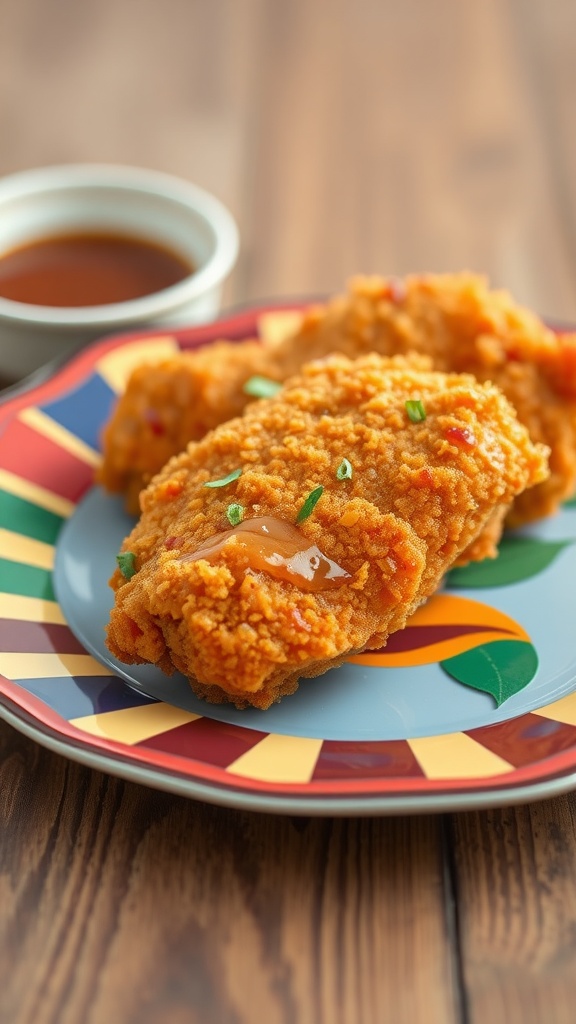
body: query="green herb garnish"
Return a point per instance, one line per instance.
(344, 471)
(310, 504)
(416, 411)
(261, 387)
(235, 514)
(225, 479)
(127, 564)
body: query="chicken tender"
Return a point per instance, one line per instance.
(455, 319)
(168, 404)
(463, 326)
(315, 524)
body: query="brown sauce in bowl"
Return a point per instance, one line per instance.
(88, 269)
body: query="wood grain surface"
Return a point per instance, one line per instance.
(345, 136)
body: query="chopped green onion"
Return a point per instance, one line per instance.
(310, 504)
(235, 514)
(127, 564)
(261, 387)
(416, 411)
(225, 479)
(344, 471)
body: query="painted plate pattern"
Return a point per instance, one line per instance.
(473, 704)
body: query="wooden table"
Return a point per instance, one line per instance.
(345, 135)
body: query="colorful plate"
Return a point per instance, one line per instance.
(473, 705)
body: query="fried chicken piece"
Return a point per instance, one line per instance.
(455, 319)
(168, 404)
(464, 327)
(296, 587)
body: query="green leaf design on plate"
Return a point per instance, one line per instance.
(519, 558)
(571, 503)
(501, 668)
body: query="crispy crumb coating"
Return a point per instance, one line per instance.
(168, 404)
(464, 327)
(420, 495)
(455, 319)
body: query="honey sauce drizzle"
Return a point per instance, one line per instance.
(279, 549)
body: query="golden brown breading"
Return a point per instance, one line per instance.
(455, 319)
(168, 404)
(420, 495)
(464, 328)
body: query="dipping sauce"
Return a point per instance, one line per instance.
(279, 549)
(88, 269)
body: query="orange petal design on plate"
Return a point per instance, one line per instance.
(445, 626)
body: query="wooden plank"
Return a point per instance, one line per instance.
(404, 143)
(122, 903)
(546, 42)
(515, 872)
(514, 869)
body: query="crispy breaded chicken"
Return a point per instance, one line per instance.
(351, 492)
(455, 319)
(464, 327)
(168, 404)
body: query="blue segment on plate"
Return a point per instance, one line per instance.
(75, 696)
(85, 410)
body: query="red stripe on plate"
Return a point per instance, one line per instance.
(45, 720)
(412, 638)
(215, 743)
(366, 759)
(20, 637)
(526, 740)
(33, 457)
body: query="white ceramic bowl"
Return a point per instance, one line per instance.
(157, 207)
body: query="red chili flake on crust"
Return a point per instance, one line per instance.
(460, 436)
(171, 542)
(169, 490)
(154, 422)
(134, 628)
(424, 478)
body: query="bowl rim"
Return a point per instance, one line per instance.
(59, 177)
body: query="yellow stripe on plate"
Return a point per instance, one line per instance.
(37, 495)
(274, 327)
(50, 666)
(116, 366)
(132, 725)
(279, 759)
(17, 548)
(30, 609)
(47, 427)
(456, 756)
(563, 710)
